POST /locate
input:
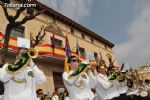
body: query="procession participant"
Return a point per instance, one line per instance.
(147, 84)
(21, 77)
(133, 87)
(66, 96)
(2, 62)
(104, 88)
(55, 96)
(42, 96)
(39, 93)
(99, 80)
(104, 84)
(121, 84)
(77, 81)
(60, 92)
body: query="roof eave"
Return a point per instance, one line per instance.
(56, 15)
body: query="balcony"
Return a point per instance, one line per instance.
(47, 52)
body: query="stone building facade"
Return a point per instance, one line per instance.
(51, 51)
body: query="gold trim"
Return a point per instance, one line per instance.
(81, 84)
(19, 81)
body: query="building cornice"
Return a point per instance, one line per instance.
(58, 16)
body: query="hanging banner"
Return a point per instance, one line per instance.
(90, 56)
(23, 42)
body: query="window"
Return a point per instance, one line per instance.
(96, 56)
(106, 47)
(17, 31)
(82, 51)
(72, 30)
(54, 20)
(56, 42)
(92, 40)
(83, 36)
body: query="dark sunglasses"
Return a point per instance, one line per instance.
(75, 60)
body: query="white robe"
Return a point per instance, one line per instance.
(67, 98)
(78, 93)
(121, 87)
(55, 97)
(1, 97)
(104, 89)
(133, 92)
(25, 90)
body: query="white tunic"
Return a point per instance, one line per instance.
(121, 87)
(78, 93)
(55, 97)
(104, 89)
(24, 90)
(133, 92)
(67, 98)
